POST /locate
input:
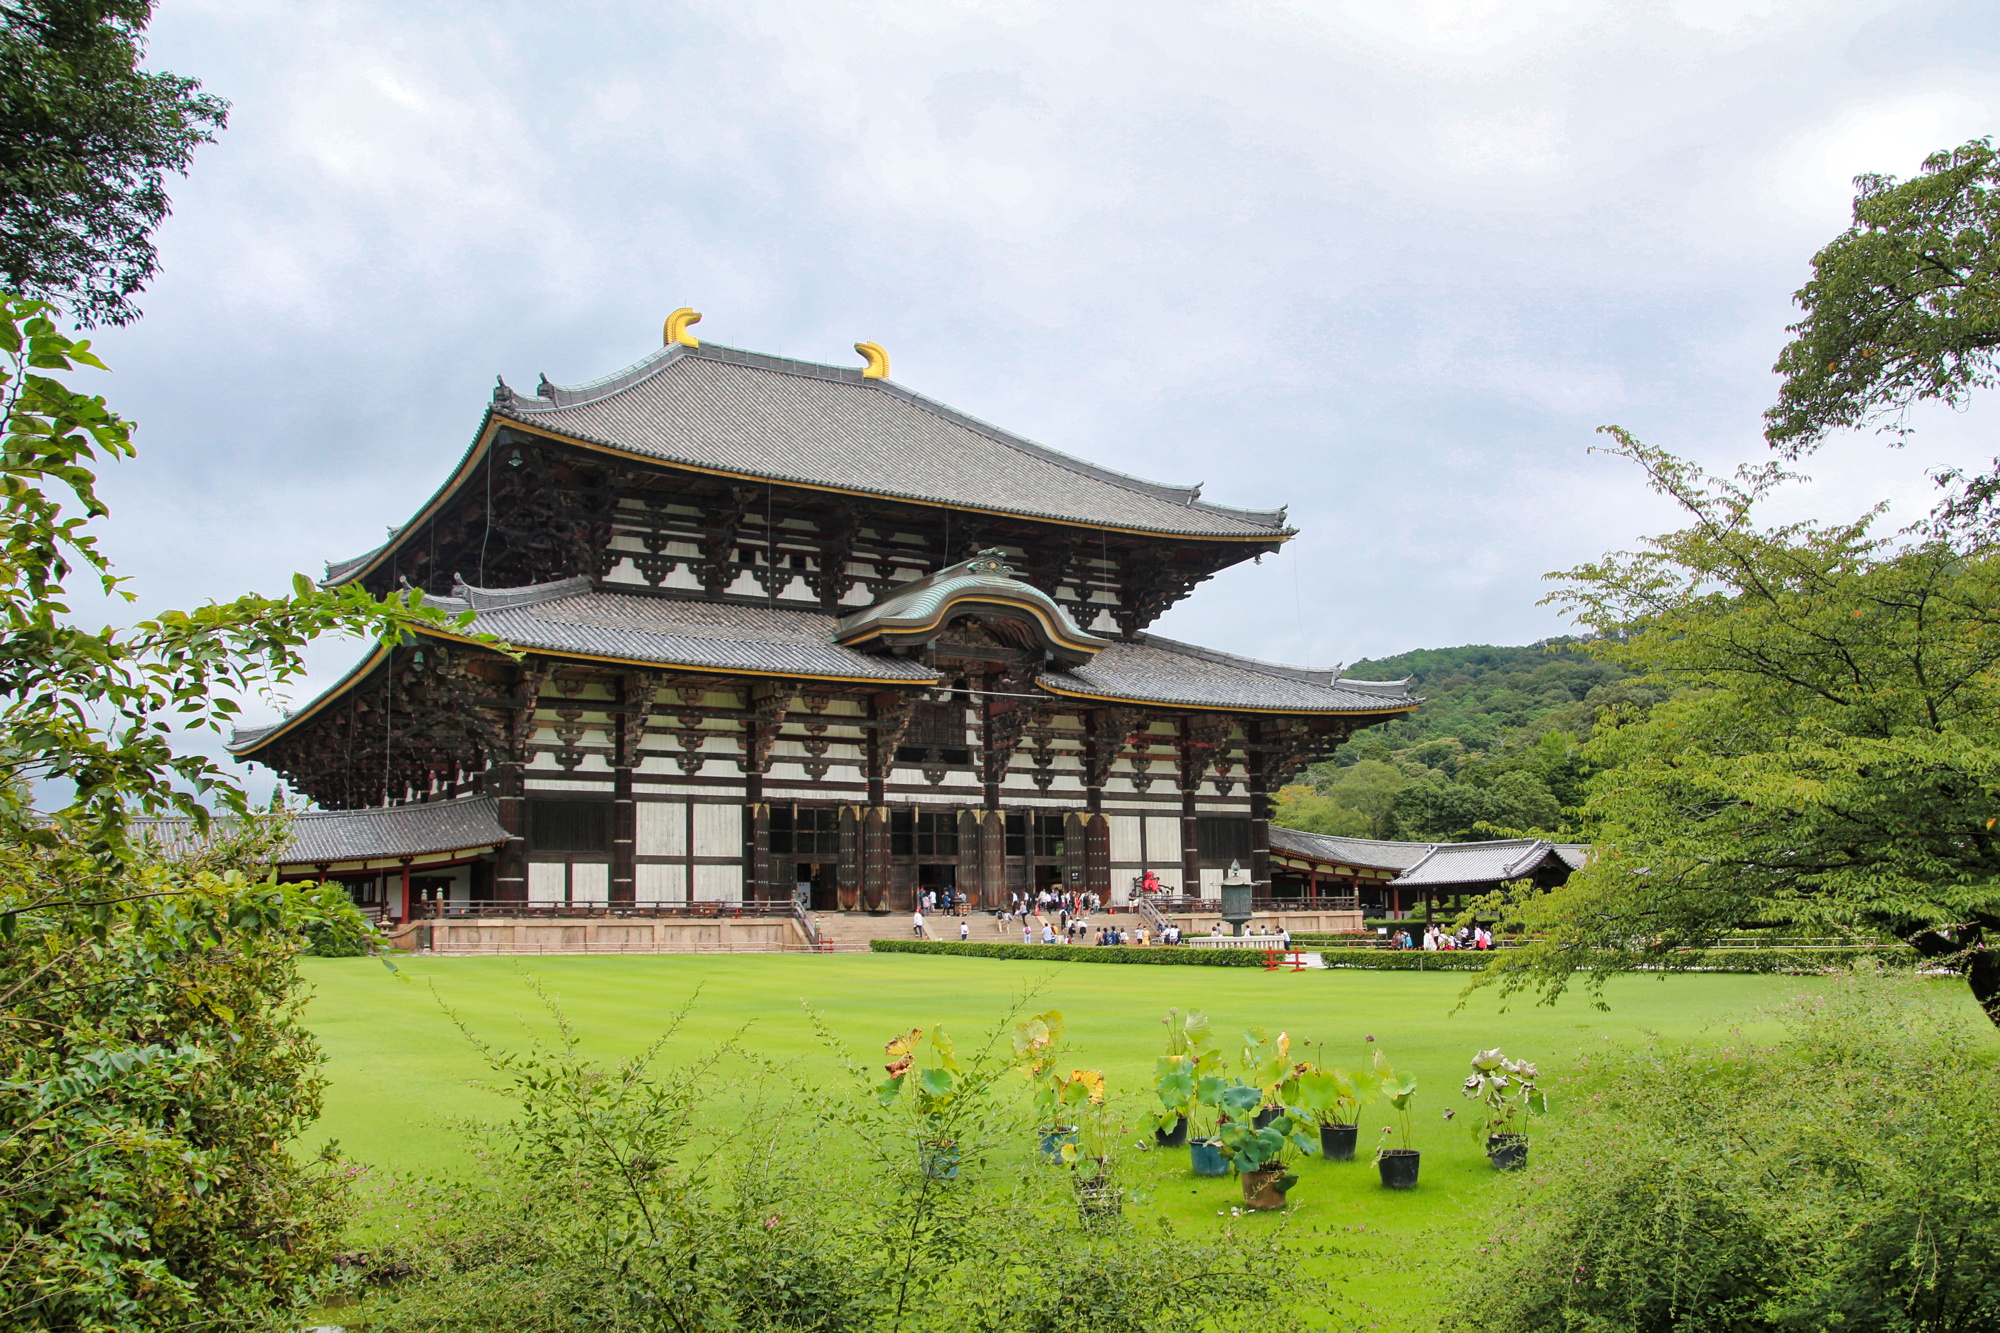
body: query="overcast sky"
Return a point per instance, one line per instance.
(1386, 263)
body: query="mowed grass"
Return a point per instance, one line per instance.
(402, 1076)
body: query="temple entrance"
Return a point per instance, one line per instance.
(941, 878)
(813, 886)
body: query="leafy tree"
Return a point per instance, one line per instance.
(86, 141)
(1903, 307)
(1357, 801)
(152, 1068)
(1831, 763)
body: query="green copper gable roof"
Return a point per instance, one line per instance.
(918, 611)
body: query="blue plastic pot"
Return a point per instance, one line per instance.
(1206, 1157)
(1054, 1138)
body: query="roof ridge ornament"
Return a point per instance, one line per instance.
(878, 361)
(676, 330)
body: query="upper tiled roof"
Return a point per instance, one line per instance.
(567, 617)
(799, 421)
(1371, 852)
(320, 837)
(1149, 669)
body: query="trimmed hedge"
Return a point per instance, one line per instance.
(1805, 961)
(1080, 953)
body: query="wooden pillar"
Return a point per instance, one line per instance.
(875, 858)
(1254, 760)
(1097, 856)
(1190, 837)
(1075, 841)
(847, 876)
(510, 871)
(992, 860)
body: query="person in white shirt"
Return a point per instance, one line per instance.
(917, 923)
(1430, 940)
(964, 930)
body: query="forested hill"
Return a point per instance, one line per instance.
(1492, 752)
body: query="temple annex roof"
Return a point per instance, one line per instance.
(322, 837)
(1434, 864)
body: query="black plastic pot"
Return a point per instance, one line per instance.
(1205, 1155)
(1398, 1167)
(1507, 1152)
(1336, 1142)
(1268, 1114)
(1172, 1138)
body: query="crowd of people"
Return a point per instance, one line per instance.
(1048, 916)
(1436, 939)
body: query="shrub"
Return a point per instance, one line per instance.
(1844, 1178)
(1080, 953)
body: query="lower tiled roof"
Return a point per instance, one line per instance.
(1371, 852)
(721, 636)
(1149, 669)
(320, 837)
(1433, 863)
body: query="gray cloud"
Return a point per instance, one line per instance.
(1387, 264)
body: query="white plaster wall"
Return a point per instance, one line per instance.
(718, 883)
(660, 884)
(1125, 839)
(662, 828)
(589, 882)
(718, 831)
(545, 881)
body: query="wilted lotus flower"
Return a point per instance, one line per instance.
(1526, 1070)
(1449, 1113)
(1474, 1086)
(1487, 1061)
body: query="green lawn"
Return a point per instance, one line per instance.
(400, 1074)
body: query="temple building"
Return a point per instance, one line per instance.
(785, 631)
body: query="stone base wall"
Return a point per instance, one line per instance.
(609, 934)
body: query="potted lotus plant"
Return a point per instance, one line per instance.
(1267, 1063)
(923, 1072)
(1398, 1166)
(1258, 1148)
(1190, 1053)
(1507, 1091)
(1330, 1099)
(1093, 1154)
(1035, 1042)
(1205, 1155)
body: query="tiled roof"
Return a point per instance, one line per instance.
(320, 837)
(1371, 852)
(1149, 669)
(1433, 863)
(567, 617)
(799, 421)
(1479, 862)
